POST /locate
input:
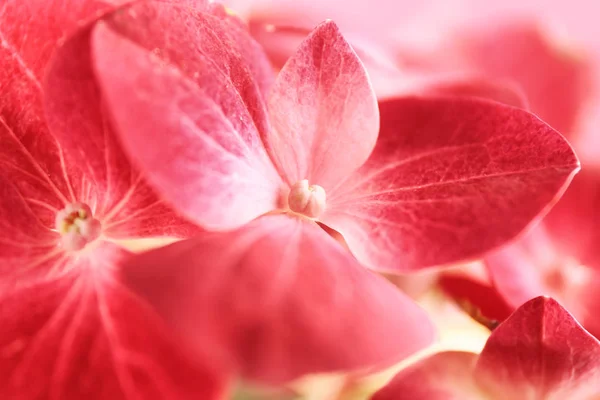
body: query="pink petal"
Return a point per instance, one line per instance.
(85, 336)
(280, 298)
(187, 109)
(556, 83)
(540, 352)
(323, 111)
(30, 157)
(444, 376)
(573, 223)
(450, 179)
(532, 266)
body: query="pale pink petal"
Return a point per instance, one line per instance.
(30, 157)
(85, 336)
(541, 351)
(187, 109)
(443, 376)
(323, 111)
(279, 298)
(450, 179)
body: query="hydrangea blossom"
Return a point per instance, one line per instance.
(70, 327)
(261, 164)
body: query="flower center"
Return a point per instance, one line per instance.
(308, 200)
(77, 226)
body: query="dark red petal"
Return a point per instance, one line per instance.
(450, 179)
(443, 376)
(187, 109)
(541, 350)
(280, 298)
(85, 336)
(30, 157)
(481, 301)
(323, 111)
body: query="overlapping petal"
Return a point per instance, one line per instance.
(540, 352)
(279, 298)
(446, 170)
(197, 111)
(85, 335)
(323, 111)
(30, 156)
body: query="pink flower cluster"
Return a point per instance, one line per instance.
(288, 165)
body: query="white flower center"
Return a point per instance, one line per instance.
(77, 226)
(308, 200)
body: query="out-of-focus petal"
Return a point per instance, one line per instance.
(86, 336)
(502, 92)
(323, 111)
(443, 376)
(279, 298)
(450, 179)
(541, 351)
(556, 82)
(533, 266)
(187, 109)
(573, 223)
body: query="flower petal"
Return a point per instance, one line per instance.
(450, 179)
(28, 248)
(279, 298)
(573, 223)
(540, 352)
(532, 267)
(323, 111)
(556, 82)
(85, 335)
(443, 376)
(30, 157)
(187, 109)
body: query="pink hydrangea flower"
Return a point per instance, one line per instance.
(263, 163)
(70, 328)
(541, 351)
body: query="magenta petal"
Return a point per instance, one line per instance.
(450, 179)
(323, 111)
(543, 351)
(443, 376)
(187, 110)
(279, 298)
(85, 336)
